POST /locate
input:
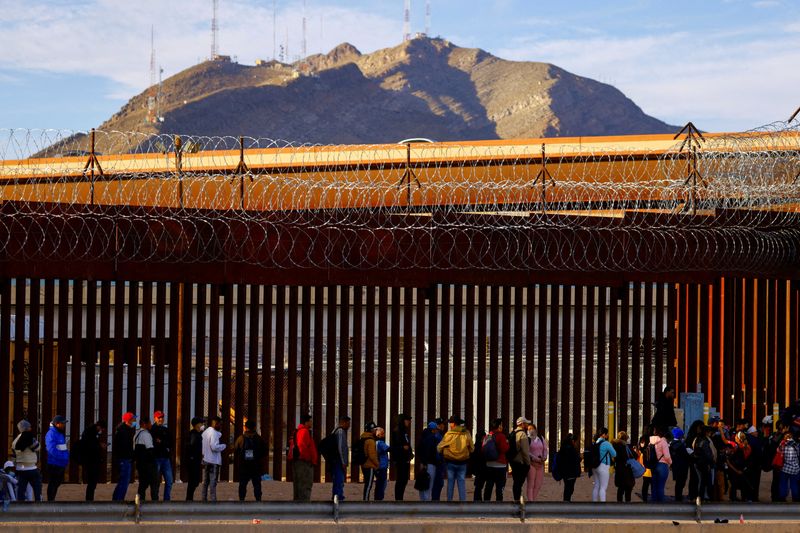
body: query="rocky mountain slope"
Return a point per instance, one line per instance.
(422, 88)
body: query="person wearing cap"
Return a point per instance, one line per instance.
(250, 452)
(26, 454)
(521, 461)
(402, 454)
(122, 454)
(790, 471)
(303, 464)
(428, 456)
(680, 462)
(194, 457)
(456, 447)
(753, 474)
(339, 464)
(8, 485)
(371, 464)
(57, 455)
(162, 445)
(212, 457)
(382, 472)
(90, 452)
(437, 481)
(145, 456)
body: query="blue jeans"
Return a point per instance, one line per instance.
(164, 468)
(337, 469)
(456, 472)
(790, 482)
(125, 467)
(660, 475)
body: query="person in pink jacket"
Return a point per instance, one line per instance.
(661, 472)
(538, 453)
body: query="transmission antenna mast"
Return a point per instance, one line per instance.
(152, 57)
(304, 29)
(214, 30)
(428, 18)
(407, 21)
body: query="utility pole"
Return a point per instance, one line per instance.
(428, 18)
(274, 29)
(304, 30)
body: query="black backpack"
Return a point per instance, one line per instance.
(249, 445)
(650, 456)
(357, 453)
(594, 457)
(513, 449)
(292, 450)
(329, 446)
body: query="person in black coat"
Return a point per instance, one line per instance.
(623, 475)
(402, 453)
(568, 462)
(194, 457)
(665, 410)
(91, 455)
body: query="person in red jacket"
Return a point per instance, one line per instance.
(304, 456)
(497, 470)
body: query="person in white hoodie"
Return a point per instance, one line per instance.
(212, 458)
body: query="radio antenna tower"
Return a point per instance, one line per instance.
(214, 30)
(274, 29)
(428, 18)
(152, 57)
(304, 30)
(407, 21)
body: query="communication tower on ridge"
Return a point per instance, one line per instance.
(214, 31)
(427, 17)
(407, 21)
(304, 30)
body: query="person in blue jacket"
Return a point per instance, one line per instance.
(381, 473)
(57, 455)
(601, 472)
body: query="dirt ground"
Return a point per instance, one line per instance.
(281, 490)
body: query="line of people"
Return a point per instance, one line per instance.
(711, 461)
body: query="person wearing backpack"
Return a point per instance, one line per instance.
(602, 456)
(624, 479)
(336, 452)
(250, 452)
(496, 469)
(568, 465)
(647, 477)
(538, 453)
(303, 456)
(658, 459)
(369, 460)
(145, 457)
(456, 448)
(91, 455)
(519, 456)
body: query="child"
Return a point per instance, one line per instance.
(8, 484)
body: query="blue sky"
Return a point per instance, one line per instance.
(727, 65)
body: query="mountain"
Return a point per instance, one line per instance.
(422, 88)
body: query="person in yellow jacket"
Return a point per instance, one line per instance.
(371, 462)
(456, 447)
(647, 478)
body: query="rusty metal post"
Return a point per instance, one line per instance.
(179, 167)
(543, 178)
